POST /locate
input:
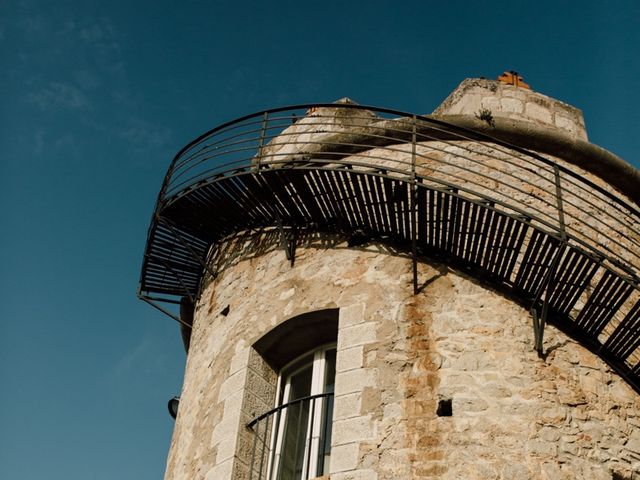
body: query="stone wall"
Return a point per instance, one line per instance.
(475, 95)
(515, 416)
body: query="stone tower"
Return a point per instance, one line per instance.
(372, 294)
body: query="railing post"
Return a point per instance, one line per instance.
(253, 452)
(176, 234)
(264, 447)
(539, 320)
(263, 131)
(556, 171)
(414, 206)
(546, 288)
(312, 412)
(271, 464)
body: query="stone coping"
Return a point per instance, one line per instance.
(609, 167)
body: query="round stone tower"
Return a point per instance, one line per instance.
(372, 294)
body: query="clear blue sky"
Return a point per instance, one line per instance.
(98, 96)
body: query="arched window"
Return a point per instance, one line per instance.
(302, 437)
(292, 441)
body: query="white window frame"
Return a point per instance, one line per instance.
(317, 387)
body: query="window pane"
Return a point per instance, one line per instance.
(330, 371)
(305, 442)
(295, 441)
(324, 450)
(297, 417)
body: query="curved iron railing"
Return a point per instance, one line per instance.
(252, 139)
(292, 440)
(567, 245)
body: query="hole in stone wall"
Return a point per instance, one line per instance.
(225, 311)
(619, 476)
(445, 408)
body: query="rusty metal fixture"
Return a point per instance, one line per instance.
(513, 78)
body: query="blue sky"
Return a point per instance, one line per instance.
(98, 96)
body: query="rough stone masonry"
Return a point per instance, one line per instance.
(514, 415)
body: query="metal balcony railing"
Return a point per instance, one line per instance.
(532, 225)
(292, 441)
(515, 180)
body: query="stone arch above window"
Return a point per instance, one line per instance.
(298, 335)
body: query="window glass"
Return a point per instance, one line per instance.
(302, 437)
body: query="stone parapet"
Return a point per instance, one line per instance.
(489, 98)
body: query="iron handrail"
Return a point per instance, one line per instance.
(617, 216)
(405, 116)
(225, 166)
(286, 405)
(268, 464)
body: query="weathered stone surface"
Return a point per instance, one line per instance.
(514, 415)
(476, 94)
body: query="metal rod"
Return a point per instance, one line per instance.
(310, 435)
(285, 406)
(165, 311)
(264, 445)
(179, 278)
(547, 286)
(556, 172)
(276, 438)
(253, 451)
(295, 451)
(323, 438)
(414, 206)
(176, 233)
(261, 141)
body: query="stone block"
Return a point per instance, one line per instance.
(354, 429)
(355, 335)
(240, 359)
(354, 381)
(633, 444)
(538, 113)
(349, 358)
(351, 315)
(344, 458)
(226, 449)
(347, 406)
(232, 384)
(360, 474)
(511, 105)
(222, 471)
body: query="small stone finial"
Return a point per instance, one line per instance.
(513, 78)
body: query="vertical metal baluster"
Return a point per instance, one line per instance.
(178, 236)
(295, 456)
(323, 437)
(550, 278)
(312, 412)
(414, 201)
(253, 449)
(278, 433)
(263, 131)
(556, 172)
(264, 442)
